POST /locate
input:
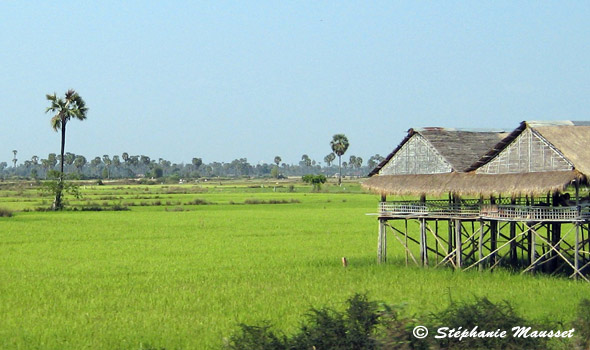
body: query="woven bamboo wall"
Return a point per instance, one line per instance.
(529, 152)
(416, 156)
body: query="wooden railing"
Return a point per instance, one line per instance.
(432, 208)
(472, 208)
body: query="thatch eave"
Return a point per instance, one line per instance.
(465, 184)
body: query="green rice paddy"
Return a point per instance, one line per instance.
(188, 263)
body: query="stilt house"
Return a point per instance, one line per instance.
(500, 198)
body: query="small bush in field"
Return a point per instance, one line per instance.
(325, 329)
(486, 315)
(368, 325)
(582, 325)
(5, 213)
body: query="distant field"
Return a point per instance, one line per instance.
(187, 263)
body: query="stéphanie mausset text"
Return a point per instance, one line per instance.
(515, 332)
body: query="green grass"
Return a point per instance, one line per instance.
(184, 280)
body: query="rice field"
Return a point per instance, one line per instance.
(187, 263)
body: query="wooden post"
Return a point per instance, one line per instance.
(450, 241)
(458, 245)
(513, 257)
(436, 239)
(480, 246)
(451, 229)
(493, 236)
(406, 239)
(532, 248)
(577, 247)
(555, 236)
(382, 242)
(577, 252)
(423, 238)
(423, 243)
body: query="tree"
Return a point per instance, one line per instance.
(14, 160)
(45, 165)
(275, 170)
(52, 159)
(72, 106)
(69, 158)
(305, 160)
(95, 164)
(107, 162)
(339, 145)
(315, 180)
(359, 162)
(79, 162)
(329, 158)
(145, 160)
(157, 172)
(116, 160)
(374, 161)
(352, 161)
(197, 162)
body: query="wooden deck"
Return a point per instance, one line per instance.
(474, 210)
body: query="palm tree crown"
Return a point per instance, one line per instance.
(73, 106)
(339, 146)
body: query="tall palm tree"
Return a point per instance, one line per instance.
(14, 159)
(339, 146)
(72, 106)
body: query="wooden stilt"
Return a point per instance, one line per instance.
(458, 245)
(493, 236)
(532, 249)
(436, 238)
(577, 253)
(381, 243)
(577, 249)
(480, 246)
(406, 239)
(423, 245)
(513, 257)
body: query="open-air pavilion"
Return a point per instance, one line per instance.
(485, 199)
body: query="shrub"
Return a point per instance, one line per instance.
(5, 213)
(270, 201)
(486, 316)
(395, 332)
(315, 180)
(368, 325)
(325, 329)
(582, 325)
(256, 338)
(119, 207)
(198, 201)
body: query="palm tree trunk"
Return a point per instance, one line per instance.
(339, 171)
(63, 146)
(57, 205)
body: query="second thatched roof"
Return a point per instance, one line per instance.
(473, 184)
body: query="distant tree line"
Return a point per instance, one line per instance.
(142, 166)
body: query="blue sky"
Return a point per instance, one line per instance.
(255, 79)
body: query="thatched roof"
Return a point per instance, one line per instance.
(472, 184)
(460, 148)
(573, 141)
(570, 139)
